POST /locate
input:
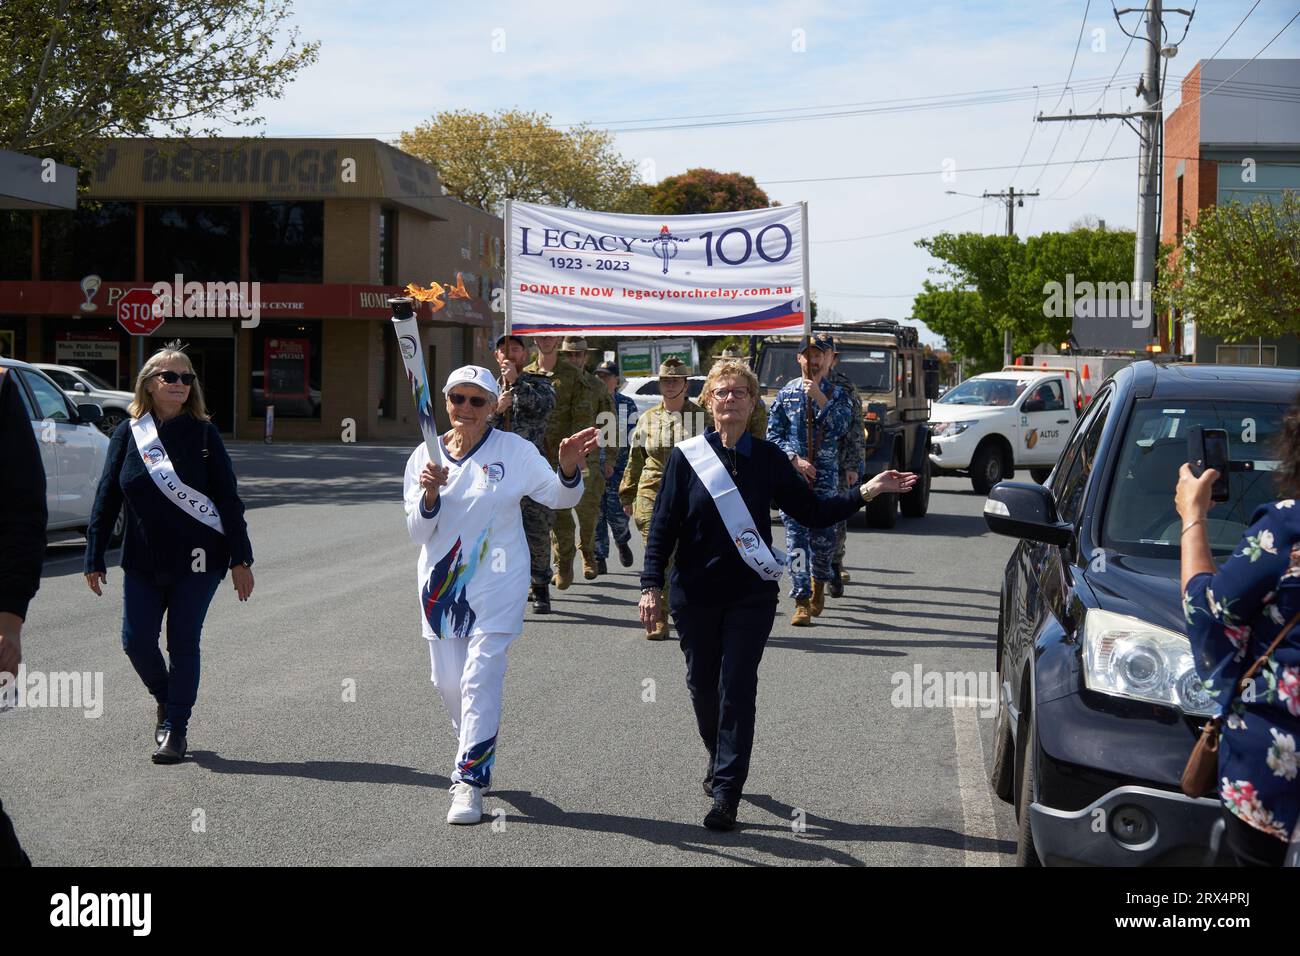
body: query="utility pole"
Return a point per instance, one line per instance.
(1148, 236)
(1012, 199)
(1150, 134)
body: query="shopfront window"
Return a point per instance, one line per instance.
(386, 246)
(97, 239)
(15, 244)
(286, 241)
(286, 365)
(199, 242)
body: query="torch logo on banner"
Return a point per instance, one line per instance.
(664, 246)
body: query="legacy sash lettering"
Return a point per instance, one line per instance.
(159, 466)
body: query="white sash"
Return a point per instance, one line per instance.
(767, 564)
(159, 465)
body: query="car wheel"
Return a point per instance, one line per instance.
(987, 468)
(112, 418)
(1026, 854)
(916, 503)
(1040, 475)
(1002, 776)
(882, 511)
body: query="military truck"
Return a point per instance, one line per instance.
(895, 381)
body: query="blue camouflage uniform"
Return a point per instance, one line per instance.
(787, 427)
(611, 509)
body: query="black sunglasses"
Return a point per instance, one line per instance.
(171, 378)
(459, 398)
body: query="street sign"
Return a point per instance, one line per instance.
(135, 312)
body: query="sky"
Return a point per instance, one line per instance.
(387, 65)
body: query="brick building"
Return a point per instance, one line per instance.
(1240, 141)
(327, 228)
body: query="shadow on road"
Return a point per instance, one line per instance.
(775, 839)
(337, 771)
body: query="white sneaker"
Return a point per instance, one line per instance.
(466, 804)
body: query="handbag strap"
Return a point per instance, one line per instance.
(1254, 668)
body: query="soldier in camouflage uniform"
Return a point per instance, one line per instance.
(574, 411)
(574, 351)
(674, 419)
(527, 400)
(853, 453)
(808, 419)
(612, 518)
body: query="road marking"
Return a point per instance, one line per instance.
(976, 799)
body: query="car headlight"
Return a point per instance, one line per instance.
(949, 429)
(1130, 658)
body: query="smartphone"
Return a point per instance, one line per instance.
(1208, 448)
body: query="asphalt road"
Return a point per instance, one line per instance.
(598, 759)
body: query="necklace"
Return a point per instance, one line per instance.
(734, 462)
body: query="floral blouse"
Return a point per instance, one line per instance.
(1232, 617)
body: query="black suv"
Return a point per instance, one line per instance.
(1100, 702)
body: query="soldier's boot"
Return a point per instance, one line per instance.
(541, 598)
(589, 569)
(563, 573)
(802, 616)
(837, 581)
(818, 602)
(844, 576)
(660, 632)
(624, 554)
(601, 566)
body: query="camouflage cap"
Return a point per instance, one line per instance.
(673, 367)
(578, 344)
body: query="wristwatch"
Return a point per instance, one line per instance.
(865, 490)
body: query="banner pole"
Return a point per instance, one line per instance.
(807, 285)
(507, 248)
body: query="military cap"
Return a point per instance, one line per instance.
(672, 367)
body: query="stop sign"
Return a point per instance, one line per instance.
(135, 312)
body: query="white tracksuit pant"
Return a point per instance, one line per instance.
(470, 674)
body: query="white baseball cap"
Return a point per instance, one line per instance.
(472, 375)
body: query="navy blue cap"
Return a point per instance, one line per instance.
(607, 368)
(818, 340)
(501, 339)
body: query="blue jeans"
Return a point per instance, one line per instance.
(185, 597)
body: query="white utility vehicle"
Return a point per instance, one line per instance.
(992, 424)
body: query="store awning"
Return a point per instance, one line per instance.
(30, 182)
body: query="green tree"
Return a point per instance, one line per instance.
(77, 71)
(1238, 271)
(706, 190)
(486, 159)
(1011, 280)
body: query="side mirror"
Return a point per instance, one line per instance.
(931, 378)
(80, 387)
(1033, 405)
(88, 413)
(1022, 509)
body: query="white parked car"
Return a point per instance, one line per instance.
(645, 391)
(990, 425)
(83, 386)
(73, 449)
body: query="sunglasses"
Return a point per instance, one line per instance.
(171, 378)
(459, 398)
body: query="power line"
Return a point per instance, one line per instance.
(894, 232)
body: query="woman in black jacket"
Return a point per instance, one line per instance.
(724, 588)
(184, 528)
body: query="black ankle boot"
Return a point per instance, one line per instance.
(624, 554)
(160, 731)
(722, 816)
(601, 566)
(837, 583)
(541, 598)
(171, 750)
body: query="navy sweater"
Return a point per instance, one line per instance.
(160, 537)
(22, 502)
(707, 568)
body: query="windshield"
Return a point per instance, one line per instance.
(870, 370)
(97, 382)
(1140, 515)
(985, 391)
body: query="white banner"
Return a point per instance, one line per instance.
(576, 271)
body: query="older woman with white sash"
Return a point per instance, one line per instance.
(184, 529)
(473, 570)
(713, 513)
